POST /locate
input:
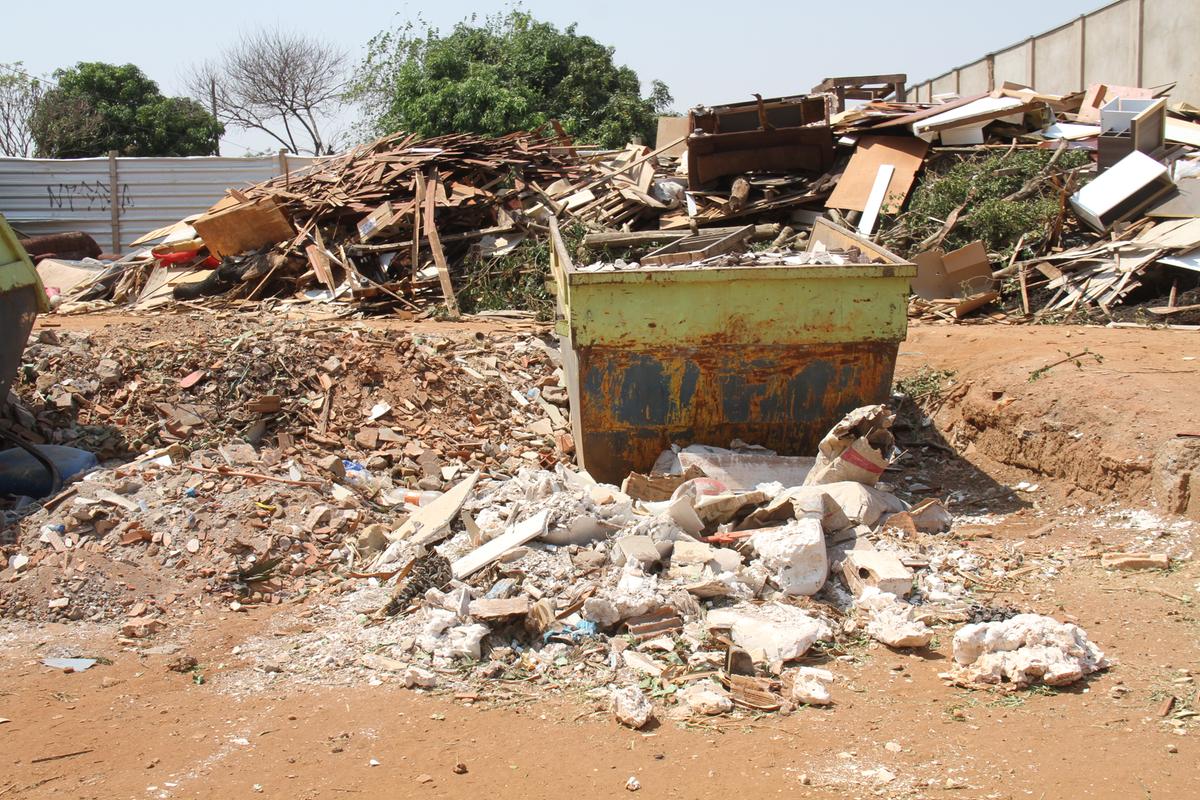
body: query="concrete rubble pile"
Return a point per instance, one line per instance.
(243, 463)
(694, 590)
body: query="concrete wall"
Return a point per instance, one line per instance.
(973, 78)
(1128, 43)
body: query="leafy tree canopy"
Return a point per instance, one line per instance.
(97, 107)
(509, 72)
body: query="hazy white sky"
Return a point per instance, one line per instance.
(705, 51)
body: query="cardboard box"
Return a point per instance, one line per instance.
(958, 274)
(242, 226)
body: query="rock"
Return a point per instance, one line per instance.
(794, 555)
(459, 769)
(631, 708)
(109, 372)
(333, 465)
(1024, 650)
(808, 686)
(1135, 561)
(892, 621)
(141, 628)
(705, 697)
(632, 784)
(415, 677)
(882, 570)
(771, 633)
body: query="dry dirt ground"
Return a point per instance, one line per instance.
(1081, 443)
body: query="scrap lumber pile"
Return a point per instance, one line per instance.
(1062, 192)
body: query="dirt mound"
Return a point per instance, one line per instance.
(1101, 411)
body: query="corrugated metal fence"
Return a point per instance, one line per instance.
(120, 199)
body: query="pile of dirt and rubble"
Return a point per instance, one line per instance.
(391, 399)
(700, 589)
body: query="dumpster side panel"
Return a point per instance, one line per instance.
(729, 306)
(629, 405)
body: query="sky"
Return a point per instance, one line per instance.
(705, 51)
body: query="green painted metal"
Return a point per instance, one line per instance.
(758, 305)
(16, 270)
(21, 298)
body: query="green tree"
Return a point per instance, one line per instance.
(510, 72)
(97, 107)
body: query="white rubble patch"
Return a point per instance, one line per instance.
(415, 677)
(771, 633)
(635, 594)
(794, 555)
(464, 641)
(891, 621)
(1024, 650)
(631, 707)
(809, 686)
(705, 697)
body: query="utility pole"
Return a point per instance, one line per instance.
(212, 96)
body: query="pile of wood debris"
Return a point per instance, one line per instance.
(400, 222)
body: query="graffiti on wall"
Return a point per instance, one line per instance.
(87, 196)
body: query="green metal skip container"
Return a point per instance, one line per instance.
(771, 355)
(21, 298)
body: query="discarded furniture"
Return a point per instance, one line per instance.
(780, 134)
(863, 87)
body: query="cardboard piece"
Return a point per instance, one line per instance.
(669, 130)
(231, 229)
(905, 154)
(379, 222)
(67, 275)
(960, 273)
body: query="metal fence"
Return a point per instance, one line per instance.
(117, 200)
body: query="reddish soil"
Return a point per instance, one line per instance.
(137, 725)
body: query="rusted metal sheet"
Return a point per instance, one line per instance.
(633, 404)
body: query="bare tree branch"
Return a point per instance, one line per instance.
(284, 84)
(19, 96)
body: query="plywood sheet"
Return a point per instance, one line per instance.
(906, 154)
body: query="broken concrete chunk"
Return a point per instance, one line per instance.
(809, 686)
(417, 678)
(638, 549)
(1024, 650)
(772, 633)
(705, 697)
(630, 707)
(879, 569)
(794, 555)
(891, 620)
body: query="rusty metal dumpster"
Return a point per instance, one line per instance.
(21, 298)
(771, 355)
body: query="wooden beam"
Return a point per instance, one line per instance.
(435, 244)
